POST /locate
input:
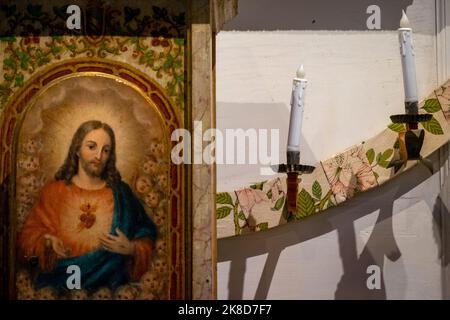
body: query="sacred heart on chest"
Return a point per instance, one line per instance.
(87, 217)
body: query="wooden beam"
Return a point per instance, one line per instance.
(201, 113)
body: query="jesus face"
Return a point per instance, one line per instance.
(94, 152)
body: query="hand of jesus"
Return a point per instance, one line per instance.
(117, 244)
(57, 245)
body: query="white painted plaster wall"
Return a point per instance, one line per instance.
(354, 76)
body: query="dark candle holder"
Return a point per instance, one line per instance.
(410, 141)
(293, 170)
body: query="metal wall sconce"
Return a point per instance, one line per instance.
(293, 169)
(410, 141)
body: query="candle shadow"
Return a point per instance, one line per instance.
(314, 15)
(441, 216)
(267, 117)
(353, 283)
(236, 283)
(381, 243)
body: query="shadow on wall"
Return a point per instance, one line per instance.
(257, 118)
(353, 284)
(314, 15)
(441, 216)
(381, 242)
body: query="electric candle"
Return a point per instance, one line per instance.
(295, 123)
(408, 66)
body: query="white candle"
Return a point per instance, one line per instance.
(408, 63)
(297, 108)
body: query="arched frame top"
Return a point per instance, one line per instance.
(10, 124)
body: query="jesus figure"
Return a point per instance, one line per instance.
(88, 217)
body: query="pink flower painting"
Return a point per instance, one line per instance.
(349, 173)
(249, 197)
(443, 94)
(277, 188)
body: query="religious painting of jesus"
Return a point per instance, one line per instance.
(92, 191)
(88, 217)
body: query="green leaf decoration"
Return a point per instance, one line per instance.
(286, 215)
(148, 58)
(263, 226)
(8, 39)
(305, 204)
(269, 194)
(278, 204)
(179, 41)
(177, 64)
(397, 127)
(396, 144)
(168, 63)
(179, 78)
(224, 198)
(24, 64)
(382, 158)
(330, 204)
(317, 190)
(42, 60)
(433, 126)
(55, 50)
(222, 212)
(322, 203)
(432, 105)
(241, 215)
(370, 154)
(378, 157)
(60, 38)
(19, 80)
(9, 62)
(387, 154)
(22, 55)
(258, 186)
(5, 91)
(383, 164)
(24, 59)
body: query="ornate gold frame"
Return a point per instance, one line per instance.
(10, 123)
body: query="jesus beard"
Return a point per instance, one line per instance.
(93, 169)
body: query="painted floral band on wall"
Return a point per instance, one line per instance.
(335, 180)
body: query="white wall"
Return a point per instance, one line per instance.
(353, 76)
(326, 256)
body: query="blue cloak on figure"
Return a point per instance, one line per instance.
(101, 268)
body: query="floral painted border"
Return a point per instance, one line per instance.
(432, 126)
(154, 42)
(443, 95)
(262, 206)
(348, 173)
(309, 203)
(245, 202)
